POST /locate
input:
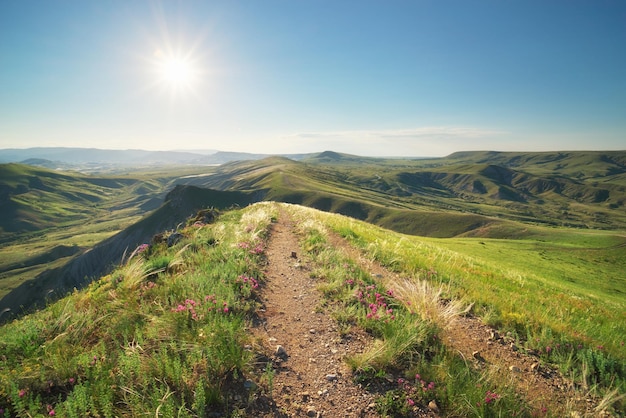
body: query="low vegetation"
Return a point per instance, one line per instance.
(166, 332)
(408, 357)
(575, 328)
(163, 334)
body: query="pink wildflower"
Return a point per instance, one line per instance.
(491, 396)
(21, 393)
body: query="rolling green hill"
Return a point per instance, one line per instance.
(583, 165)
(537, 188)
(99, 260)
(48, 216)
(34, 199)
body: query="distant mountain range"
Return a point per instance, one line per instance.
(92, 159)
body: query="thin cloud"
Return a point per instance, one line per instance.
(423, 141)
(424, 132)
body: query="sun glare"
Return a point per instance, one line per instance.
(176, 73)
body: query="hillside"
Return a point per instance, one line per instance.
(469, 189)
(94, 262)
(49, 216)
(33, 199)
(280, 309)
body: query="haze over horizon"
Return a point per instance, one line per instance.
(417, 78)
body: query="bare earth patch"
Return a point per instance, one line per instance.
(301, 341)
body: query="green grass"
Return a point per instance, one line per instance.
(558, 298)
(164, 334)
(407, 357)
(43, 209)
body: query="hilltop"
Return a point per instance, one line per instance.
(280, 309)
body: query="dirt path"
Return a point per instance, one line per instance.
(302, 342)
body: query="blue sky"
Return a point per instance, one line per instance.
(414, 78)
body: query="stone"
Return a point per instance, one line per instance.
(432, 405)
(280, 351)
(331, 377)
(515, 369)
(294, 254)
(173, 239)
(311, 412)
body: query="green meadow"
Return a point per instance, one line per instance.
(165, 332)
(533, 244)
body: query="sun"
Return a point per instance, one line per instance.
(176, 72)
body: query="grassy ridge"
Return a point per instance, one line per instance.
(164, 334)
(560, 300)
(407, 362)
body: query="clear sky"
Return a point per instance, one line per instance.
(393, 78)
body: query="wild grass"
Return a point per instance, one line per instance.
(407, 356)
(425, 299)
(568, 324)
(162, 335)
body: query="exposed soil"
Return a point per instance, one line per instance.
(311, 378)
(302, 345)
